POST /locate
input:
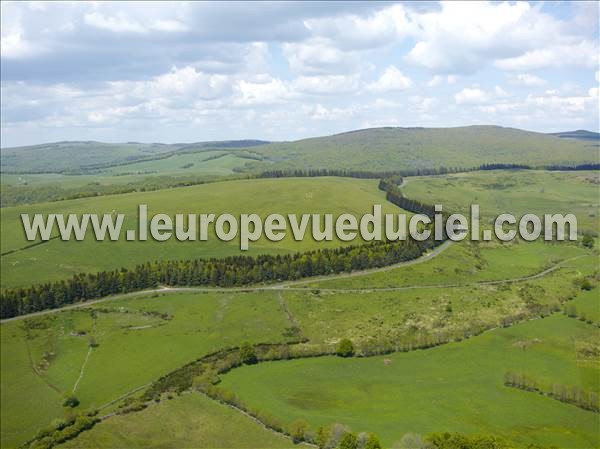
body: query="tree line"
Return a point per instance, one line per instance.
(232, 271)
(361, 174)
(579, 397)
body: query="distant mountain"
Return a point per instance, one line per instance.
(375, 149)
(579, 134)
(68, 156)
(393, 148)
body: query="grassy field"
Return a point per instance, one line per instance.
(136, 345)
(210, 164)
(370, 315)
(42, 358)
(57, 259)
(515, 192)
(456, 387)
(587, 305)
(191, 421)
(464, 263)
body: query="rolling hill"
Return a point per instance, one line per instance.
(372, 149)
(579, 134)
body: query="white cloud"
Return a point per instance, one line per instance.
(320, 112)
(466, 36)
(272, 92)
(499, 92)
(438, 80)
(151, 71)
(435, 81)
(14, 46)
(326, 84)
(179, 84)
(461, 36)
(168, 25)
(319, 56)
(117, 24)
(391, 80)
(351, 31)
(582, 54)
(452, 79)
(471, 96)
(526, 79)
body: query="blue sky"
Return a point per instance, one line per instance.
(182, 72)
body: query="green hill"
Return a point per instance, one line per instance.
(373, 149)
(77, 156)
(579, 134)
(406, 148)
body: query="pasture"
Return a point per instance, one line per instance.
(190, 420)
(103, 351)
(464, 263)
(138, 340)
(57, 259)
(454, 387)
(516, 192)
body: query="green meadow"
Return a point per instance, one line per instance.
(515, 192)
(587, 306)
(191, 420)
(105, 351)
(144, 337)
(454, 387)
(57, 259)
(43, 357)
(466, 262)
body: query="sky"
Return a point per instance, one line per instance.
(186, 72)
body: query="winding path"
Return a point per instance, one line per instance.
(293, 285)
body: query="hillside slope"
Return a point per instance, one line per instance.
(373, 149)
(77, 156)
(406, 148)
(579, 134)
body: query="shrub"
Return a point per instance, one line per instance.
(372, 442)
(298, 430)
(345, 348)
(348, 441)
(70, 401)
(247, 354)
(587, 241)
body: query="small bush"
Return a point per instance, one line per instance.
(247, 354)
(345, 348)
(298, 430)
(587, 241)
(70, 401)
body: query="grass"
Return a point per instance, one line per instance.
(58, 259)
(90, 156)
(515, 192)
(456, 387)
(587, 305)
(190, 420)
(136, 346)
(367, 149)
(133, 350)
(467, 262)
(392, 315)
(409, 148)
